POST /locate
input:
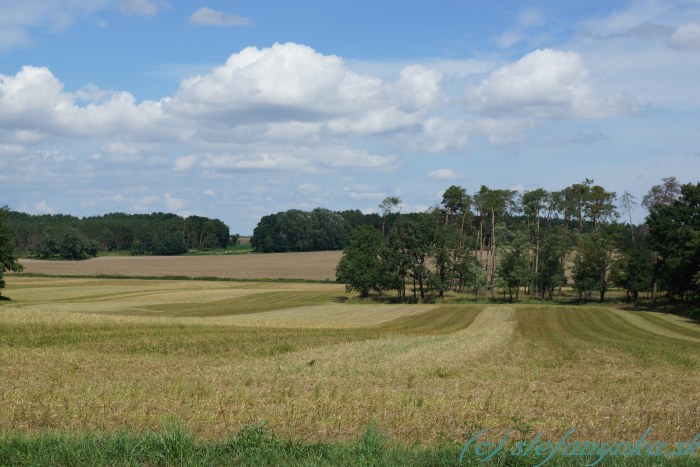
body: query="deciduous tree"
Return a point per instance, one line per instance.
(8, 260)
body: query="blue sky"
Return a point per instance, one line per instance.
(239, 109)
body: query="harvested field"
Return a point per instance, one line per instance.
(80, 355)
(317, 265)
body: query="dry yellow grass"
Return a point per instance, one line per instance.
(78, 356)
(317, 265)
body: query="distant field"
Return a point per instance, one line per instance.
(85, 355)
(318, 265)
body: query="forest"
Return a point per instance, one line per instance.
(69, 237)
(499, 243)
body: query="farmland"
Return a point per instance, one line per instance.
(311, 265)
(85, 355)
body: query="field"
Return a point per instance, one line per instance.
(318, 265)
(102, 355)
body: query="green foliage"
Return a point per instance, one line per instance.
(8, 260)
(634, 271)
(674, 234)
(360, 266)
(172, 243)
(594, 259)
(552, 255)
(513, 272)
(72, 246)
(296, 230)
(47, 236)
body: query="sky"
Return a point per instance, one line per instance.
(235, 110)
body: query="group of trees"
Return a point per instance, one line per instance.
(70, 237)
(500, 242)
(318, 230)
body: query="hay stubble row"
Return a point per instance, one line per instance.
(78, 355)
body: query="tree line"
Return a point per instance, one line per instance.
(69, 237)
(498, 243)
(317, 230)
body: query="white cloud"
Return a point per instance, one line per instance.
(43, 207)
(172, 203)
(439, 135)
(142, 7)
(207, 16)
(686, 36)
(509, 38)
(545, 84)
(281, 83)
(34, 100)
(530, 17)
(373, 122)
(185, 163)
(629, 19)
(443, 174)
(418, 88)
(12, 150)
(309, 189)
(367, 195)
(11, 37)
(262, 161)
(210, 192)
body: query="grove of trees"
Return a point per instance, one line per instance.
(70, 237)
(498, 243)
(318, 230)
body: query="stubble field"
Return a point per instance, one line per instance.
(85, 355)
(316, 265)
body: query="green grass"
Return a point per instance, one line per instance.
(174, 340)
(231, 250)
(256, 445)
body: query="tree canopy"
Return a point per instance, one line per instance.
(70, 237)
(536, 242)
(8, 260)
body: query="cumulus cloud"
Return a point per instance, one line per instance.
(686, 36)
(209, 17)
(545, 84)
(443, 174)
(418, 88)
(34, 100)
(280, 83)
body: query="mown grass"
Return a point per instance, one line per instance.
(248, 304)
(86, 356)
(173, 340)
